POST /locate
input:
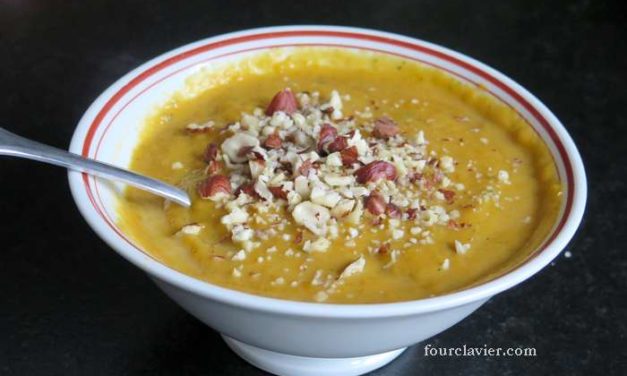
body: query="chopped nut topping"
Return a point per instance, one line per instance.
(328, 134)
(235, 217)
(314, 217)
(343, 208)
(353, 268)
(461, 248)
(239, 142)
(503, 177)
(349, 156)
(213, 167)
(392, 211)
(273, 142)
(446, 264)
(447, 194)
(375, 203)
(385, 128)
(215, 187)
(191, 229)
(278, 192)
(374, 171)
(199, 128)
(321, 296)
(318, 245)
(211, 153)
(301, 160)
(239, 256)
(398, 234)
(339, 144)
(284, 101)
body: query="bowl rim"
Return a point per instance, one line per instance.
(561, 237)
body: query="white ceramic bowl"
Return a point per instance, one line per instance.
(297, 338)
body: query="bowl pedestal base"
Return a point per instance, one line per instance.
(291, 365)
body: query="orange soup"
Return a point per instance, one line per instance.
(331, 175)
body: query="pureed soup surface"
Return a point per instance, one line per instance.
(330, 175)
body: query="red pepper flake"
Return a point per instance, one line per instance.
(383, 249)
(412, 213)
(452, 224)
(299, 237)
(448, 195)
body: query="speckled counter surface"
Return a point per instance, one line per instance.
(70, 306)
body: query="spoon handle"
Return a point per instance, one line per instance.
(16, 146)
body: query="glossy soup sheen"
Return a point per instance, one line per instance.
(458, 119)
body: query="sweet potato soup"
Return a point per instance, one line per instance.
(330, 175)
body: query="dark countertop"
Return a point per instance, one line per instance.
(70, 306)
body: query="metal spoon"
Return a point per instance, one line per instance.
(16, 146)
